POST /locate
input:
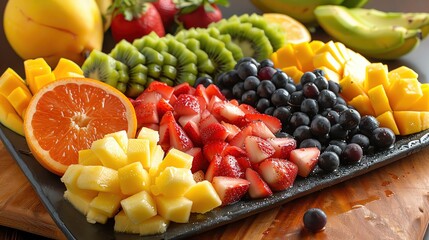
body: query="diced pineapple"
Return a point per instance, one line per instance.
(175, 209)
(121, 137)
(174, 182)
(154, 225)
(80, 202)
(176, 158)
(139, 151)
(96, 216)
(124, 224)
(203, 196)
(151, 135)
(133, 178)
(87, 157)
(99, 178)
(106, 203)
(110, 152)
(155, 161)
(139, 207)
(70, 181)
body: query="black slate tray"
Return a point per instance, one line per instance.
(74, 224)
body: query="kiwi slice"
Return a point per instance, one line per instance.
(169, 59)
(152, 56)
(151, 40)
(126, 53)
(138, 80)
(204, 64)
(169, 72)
(101, 66)
(236, 51)
(253, 41)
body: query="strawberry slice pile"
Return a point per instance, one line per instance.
(234, 146)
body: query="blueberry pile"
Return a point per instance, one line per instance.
(312, 111)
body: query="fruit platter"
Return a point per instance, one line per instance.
(169, 134)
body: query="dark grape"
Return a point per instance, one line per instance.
(307, 77)
(283, 113)
(320, 126)
(321, 83)
(251, 83)
(246, 59)
(266, 63)
(352, 153)
(383, 138)
(238, 90)
(332, 116)
(334, 87)
(329, 161)
(302, 132)
(230, 79)
(362, 140)
(340, 143)
(296, 98)
(327, 99)
(280, 97)
(280, 79)
(310, 142)
(368, 124)
(310, 106)
(263, 104)
(269, 111)
(349, 119)
(250, 97)
(227, 93)
(299, 118)
(265, 89)
(318, 72)
(290, 87)
(310, 90)
(282, 134)
(246, 69)
(315, 219)
(337, 132)
(266, 73)
(339, 107)
(205, 81)
(334, 148)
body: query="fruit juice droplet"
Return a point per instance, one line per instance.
(385, 183)
(388, 193)
(370, 198)
(394, 176)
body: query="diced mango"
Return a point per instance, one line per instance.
(286, 57)
(379, 100)
(387, 120)
(124, 224)
(139, 151)
(333, 50)
(9, 117)
(294, 73)
(422, 104)
(106, 203)
(109, 152)
(304, 54)
(316, 44)
(274, 59)
(342, 49)
(175, 209)
(33, 68)
(87, 157)
(408, 122)
(326, 59)
(376, 74)
(139, 207)
(424, 117)
(80, 202)
(42, 80)
(402, 72)
(121, 137)
(174, 182)
(203, 196)
(403, 93)
(154, 225)
(330, 75)
(10, 80)
(99, 178)
(65, 67)
(19, 98)
(362, 103)
(350, 88)
(133, 178)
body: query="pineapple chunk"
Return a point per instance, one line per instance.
(151, 135)
(121, 137)
(155, 161)
(174, 182)
(99, 178)
(175, 209)
(139, 151)
(87, 157)
(70, 181)
(133, 178)
(151, 226)
(106, 203)
(80, 202)
(203, 196)
(139, 207)
(124, 224)
(110, 152)
(96, 216)
(176, 158)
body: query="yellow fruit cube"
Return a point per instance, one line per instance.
(350, 88)
(139, 151)
(9, 117)
(133, 178)
(294, 73)
(65, 67)
(110, 152)
(333, 50)
(408, 122)
(69, 179)
(151, 135)
(121, 137)
(342, 49)
(139, 207)
(362, 103)
(274, 59)
(19, 98)
(376, 74)
(10, 80)
(154, 225)
(174, 181)
(176, 158)
(155, 161)
(42, 80)
(387, 120)
(286, 57)
(403, 93)
(331, 75)
(175, 209)
(106, 203)
(96, 216)
(326, 59)
(304, 53)
(33, 68)
(87, 157)
(124, 224)
(422, 104)
(379, 100)
(424, 118)
(203, 196)
(80, 202)
(99, 178)
(402, 72)
(316, 45)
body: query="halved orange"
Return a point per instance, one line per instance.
(67, 115)
(295, 31)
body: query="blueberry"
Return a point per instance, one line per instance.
(320, 126)
(310, 142)
(329, 161)
(352, 153)
(265, 89)
(310, 90)
(321, 82)
(314, 219)
(280, 79)
(368, 124)
(205, 81)
(280, 97)
(299, 118)
(266, 63)
(383, 138)
(246, 69)
(307, 77)
(301, 133)
(327, 99)
(263, 104)
(349, 119)
(251, 83)
(250, 97)
(310, 107)
(283, 113)
(238, 90)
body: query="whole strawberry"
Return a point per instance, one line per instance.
(133, 19)
(199, 13)
(167, 10)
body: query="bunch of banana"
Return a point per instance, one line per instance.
(373, 33)
(302, 10)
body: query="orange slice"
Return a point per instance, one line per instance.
(295, 31)
(67, 115)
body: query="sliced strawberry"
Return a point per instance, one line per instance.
(231, 113)
(146, 113)
(161, 88)
(213, 169)
(203, 103)
(163, 106)
(212, 102)
(183, 88)
(230, 167)
(234, 102)
(164, 133)
(244, 162)
(230, 190)
(191, 129)
(278, 173)
(213, 148)
(261, 130)
(306, 159)
(178, 137)
(149, 97)
(213, 132)
(183, 120)
(231, 129)
(234, 151)
(272, 123)
(199, 162)
(187, 105)
(258, 188)
(213, 90)
(258, 148)
(205, 113)
(247, 109)
(199, 176)
(207, 120)
(283, 146)
(200, 91)
(238, 139)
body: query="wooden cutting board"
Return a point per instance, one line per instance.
(392, 202)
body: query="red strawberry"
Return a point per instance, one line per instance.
(272, 123)
(235, 102)
(230, 112)
(161, 88)
(306, 159)
(207, 119)
(187, 104)
(234, 151)
(231, 129)
(213, 132)
(199, 162)
(258, 188)
(164, 133)
(213, 103)
(183, 120)
(230, 167)
(200, 91)
(146, 113)
(134, 20)
(278, 173)
(283, 146)
(167, 10)
(149, 96)
(163, 106)
(261, 130)
(213, 90)
(238, 139)
(213, 169)
(199, 16)
(183, 88)
(192, 130)
(258, 148)
(213, 148)
(178, 137)
(247, 109)
(230, 190)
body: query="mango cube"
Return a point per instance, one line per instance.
(175, 209)
(42, 80)
(110, 152)
(203, 196)
(139, 151)
(124, 224)
(87, 157)
(139, 207)
(133, 178)
(422, 104)
(402, 72)
(286, 57)
(99, 178)
(379, 100)
(19, 98)
(403, 93)
(305, 55)
(408, 122)
(332, 49)
(362, 103)
(326, 59)
(33, 68)
(174, 182)
(376, 74)
(151, 226)
(351, 88)
(388, 120)
(294, 73)
(65, 67)
(9, 117)
(10, 80)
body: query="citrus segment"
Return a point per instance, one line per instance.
(69, 114)
(295, 31)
